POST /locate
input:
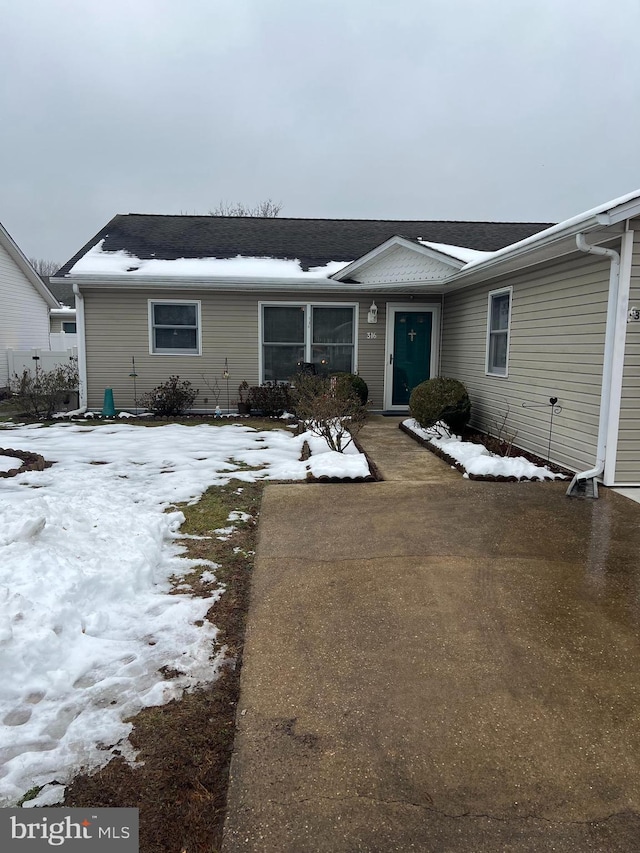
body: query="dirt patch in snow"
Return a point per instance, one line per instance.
(184, 747)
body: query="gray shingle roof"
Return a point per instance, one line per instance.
(63, 291)
(314, 242)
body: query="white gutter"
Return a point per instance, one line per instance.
(253, 285)
(609, 343)
(82, 347)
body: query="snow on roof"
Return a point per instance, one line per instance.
(459, 252)
(559, 228)
(99, 262)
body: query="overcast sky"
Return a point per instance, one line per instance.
(414, 109)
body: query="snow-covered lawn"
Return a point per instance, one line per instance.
(9, 463)
(476, 459)
(87, 553)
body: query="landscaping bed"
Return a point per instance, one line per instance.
(490, 464)
(30, 462)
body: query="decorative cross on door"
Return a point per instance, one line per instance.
(412, 335)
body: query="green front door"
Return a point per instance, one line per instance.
(411, 353)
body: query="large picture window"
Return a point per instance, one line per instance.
(498, 332)
(323, 335)
(174, 327)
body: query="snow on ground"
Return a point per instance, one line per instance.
(86, 556)
(329, 463)
(10, 463)
(476, 459)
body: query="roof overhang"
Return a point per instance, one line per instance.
(247, 285)
(532, 252)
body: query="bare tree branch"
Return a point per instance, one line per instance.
(44, 268)
(266, 208)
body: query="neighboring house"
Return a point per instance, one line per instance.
(62, 320)
(520, 312)
(26, 302)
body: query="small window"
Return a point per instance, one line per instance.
(175, 328)
(69, 328)
(498, 332)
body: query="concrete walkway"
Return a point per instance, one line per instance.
(398, 457)
(436, 664)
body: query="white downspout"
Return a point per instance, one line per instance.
(82, 349)
(609, 342)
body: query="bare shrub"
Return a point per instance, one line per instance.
(171, 398)
(42, 392)
(333, 413)
(500, 439)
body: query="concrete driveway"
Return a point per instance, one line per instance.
(437, 664)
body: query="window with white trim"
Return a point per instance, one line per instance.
(69, 327)
(498, 323)
(323, 335)
(174, 327)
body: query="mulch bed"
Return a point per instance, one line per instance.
(494, 446)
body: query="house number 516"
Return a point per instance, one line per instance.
(371, 336)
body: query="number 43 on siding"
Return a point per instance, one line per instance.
(371, 336)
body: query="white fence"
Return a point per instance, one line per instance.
(21, 360)
(62, 340)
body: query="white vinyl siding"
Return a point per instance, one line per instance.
(558, 317)
(24, 318)
(628, 452)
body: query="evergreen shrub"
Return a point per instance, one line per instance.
(441, 399)
(271, 399)
(350, 384)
